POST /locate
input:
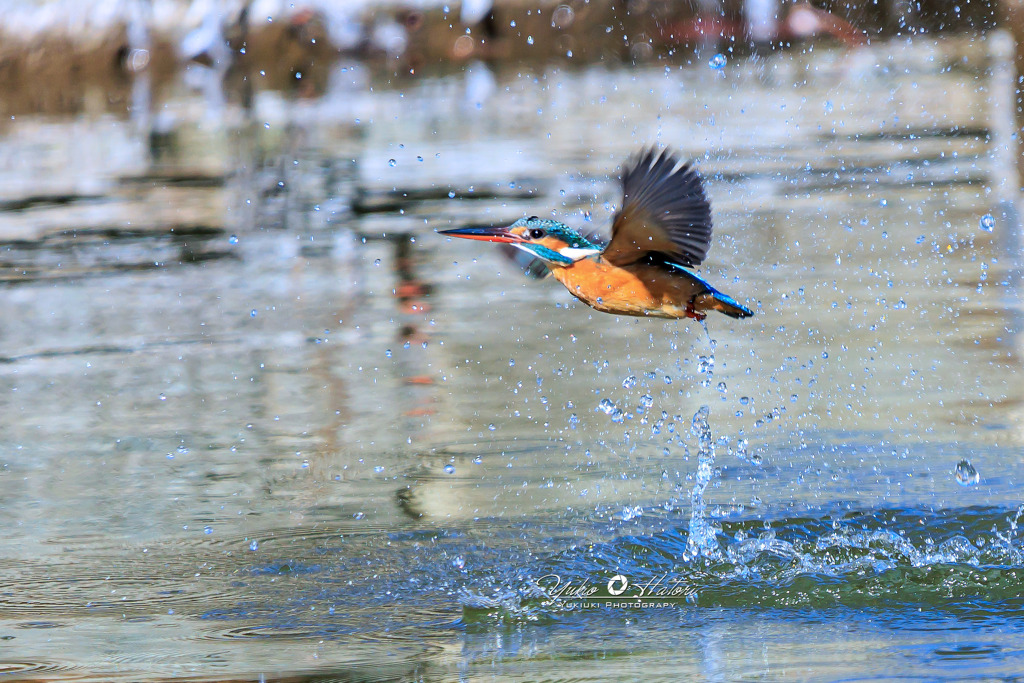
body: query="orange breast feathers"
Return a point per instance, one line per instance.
(636, 289)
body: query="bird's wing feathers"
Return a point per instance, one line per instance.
(664, 211)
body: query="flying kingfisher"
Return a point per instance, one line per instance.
(662, 229)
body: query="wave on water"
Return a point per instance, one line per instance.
(896, 558)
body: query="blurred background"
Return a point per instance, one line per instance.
(258, 421)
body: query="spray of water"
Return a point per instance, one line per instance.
(702, 541)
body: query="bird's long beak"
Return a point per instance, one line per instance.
(484, 234)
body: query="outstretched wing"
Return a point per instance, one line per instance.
(664, 211)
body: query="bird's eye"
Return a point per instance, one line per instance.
(536, 233)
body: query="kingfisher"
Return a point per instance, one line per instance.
(662, 230)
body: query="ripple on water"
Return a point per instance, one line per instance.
(67, 595)
(22, 669)
(493, 448)
(968, 651)
(135, 586)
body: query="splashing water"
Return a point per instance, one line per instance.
(702, 541)
(892, 559)
(966, 474)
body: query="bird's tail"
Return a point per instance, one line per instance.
(716, 301)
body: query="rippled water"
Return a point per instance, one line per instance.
(259, 420)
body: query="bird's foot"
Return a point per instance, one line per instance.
(692, 313)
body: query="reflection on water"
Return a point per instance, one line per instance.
(250, 399)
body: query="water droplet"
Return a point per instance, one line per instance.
(574, 420)
(491, 427)
(629, 513)
(722, 388)
(529, 40)
(987, 223)
(378, 469)
(562, 17)
(254, 545)
(744, 400)
(459, 562)
(646, 401)
(477, 460)
(965, 473)
(606, 406)
(618, 415)
(449, 469)
(233, 239)
(511, 362)
(163, 397)
(629, 382)
(392, 163)
(252, 313)
(207, 530)
(717, 62)
(388, 353)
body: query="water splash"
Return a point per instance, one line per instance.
(966, 474)
(702, 541)
(967, 559)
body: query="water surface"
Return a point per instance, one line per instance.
(259, 420)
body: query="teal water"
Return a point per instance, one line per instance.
(260, 421)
